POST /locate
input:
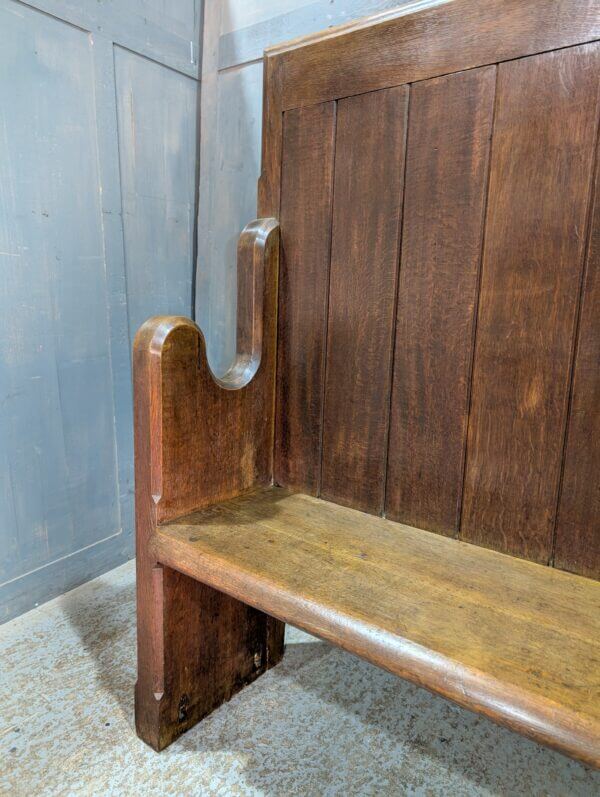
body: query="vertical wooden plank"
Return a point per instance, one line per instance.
(445, 191)
(539, 187)
(268, 206)
(369, 171)
(578, 522)
(307, 181)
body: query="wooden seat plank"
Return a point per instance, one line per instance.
(514, 640)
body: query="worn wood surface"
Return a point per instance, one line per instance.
(199, 440)
(445, 193)
(478, 413)
(216, 434)
(369, 173)
(511, 639)
(578, 522)
(463, 34)
(542, 161)
(307, 186)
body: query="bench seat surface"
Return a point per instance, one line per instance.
(517, 641)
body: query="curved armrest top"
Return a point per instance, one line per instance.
(258, 244)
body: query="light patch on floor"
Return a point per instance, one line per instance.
(321, 723)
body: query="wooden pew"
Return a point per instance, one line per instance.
(404, 459)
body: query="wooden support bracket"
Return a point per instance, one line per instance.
(200, 439)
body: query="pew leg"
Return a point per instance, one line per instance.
(197, 647)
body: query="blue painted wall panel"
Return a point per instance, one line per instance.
(54, 333)
(97, 204)
(157, 111)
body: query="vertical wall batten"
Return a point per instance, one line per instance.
(445, 188)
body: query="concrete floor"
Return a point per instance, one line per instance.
(321, 723)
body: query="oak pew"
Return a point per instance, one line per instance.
(404, 457)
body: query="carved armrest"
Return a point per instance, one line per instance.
(200, 439)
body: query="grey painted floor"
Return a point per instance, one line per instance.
(321, 723)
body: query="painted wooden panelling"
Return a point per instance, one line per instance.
(157, 111)
(164, 31)
(82, 263)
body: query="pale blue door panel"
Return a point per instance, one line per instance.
(98, 165)
(54, 332)
(157, 110)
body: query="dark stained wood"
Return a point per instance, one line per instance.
(505, 637)
(217, 433)
(307, 184)
(542, 157)
(371, 55)
(250, 299)
(369, 171)
(445, 191)
(199, 440)
(268, 207)
(578, 523)
(513, 640)
(269, 182)
(208, 646)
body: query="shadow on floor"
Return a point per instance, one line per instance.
(331, 712)
(104, 618)
(324, 722)
(105, 624)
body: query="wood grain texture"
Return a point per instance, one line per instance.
(199, 440)
(542, 157)
(505, 637)
(216, 433)
(445, 192)
(205, 647)
(269, 183)
(242, 42)
(578, 522)
(307, 185)
(458, 35)
(508, 638)
(369, 171)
